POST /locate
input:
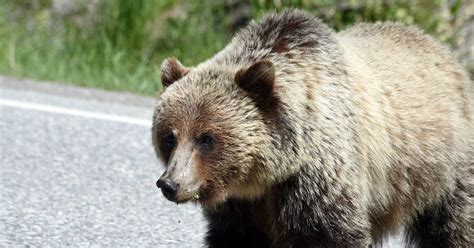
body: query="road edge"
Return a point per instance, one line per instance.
(75, 91)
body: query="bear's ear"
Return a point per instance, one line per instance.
(257, 80)
(171, 71)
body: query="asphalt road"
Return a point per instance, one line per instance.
(79, 180)
(78, 168)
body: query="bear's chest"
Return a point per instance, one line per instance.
(264, 214)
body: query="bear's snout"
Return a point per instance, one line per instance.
(168, 188)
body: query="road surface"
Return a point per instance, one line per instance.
(78, 168)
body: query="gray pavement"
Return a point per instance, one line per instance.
(71, 180)
(75, 180)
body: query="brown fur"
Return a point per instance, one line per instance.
(326, 139)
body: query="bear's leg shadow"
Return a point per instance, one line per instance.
(445, 224)
(232, 225)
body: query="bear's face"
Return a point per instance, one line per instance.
(208, 129)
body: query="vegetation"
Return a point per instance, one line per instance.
(119, 44)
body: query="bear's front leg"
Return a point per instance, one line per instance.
(312, 214)
(232, 224)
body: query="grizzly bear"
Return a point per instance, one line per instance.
(297, 136)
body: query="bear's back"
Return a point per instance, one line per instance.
(415, 74)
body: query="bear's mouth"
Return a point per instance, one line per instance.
(200, 197)
(188, 198)
(184, 197)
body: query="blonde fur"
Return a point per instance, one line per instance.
(366, 130)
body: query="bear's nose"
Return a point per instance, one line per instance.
(168, 187)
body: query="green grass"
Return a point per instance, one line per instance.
(123, 53)
(124, 48)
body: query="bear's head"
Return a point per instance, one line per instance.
(209, 130)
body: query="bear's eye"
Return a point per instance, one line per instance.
(169, 141)
(206, 142)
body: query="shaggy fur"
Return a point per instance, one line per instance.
(326, 139)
